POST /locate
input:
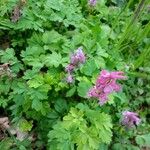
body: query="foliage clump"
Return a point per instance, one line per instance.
(45, 42)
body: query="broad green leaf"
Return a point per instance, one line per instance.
(37, 104)
(6, 144)
(89, 67)
(53, 59)
(143, 140)
(71, 92)
(79, 127)
(105, 31)
(25, 125)
(37, 81)
(83, 88)
(60, 105)
(100, 51)
(53, 115)
(8, 56)
(34, 83)
(51, 37)
(56, 5)
(22, 147)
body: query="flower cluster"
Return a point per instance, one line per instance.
(76, 59)
(105, 85)
(92, 2)
(130, 119)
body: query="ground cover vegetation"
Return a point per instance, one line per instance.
(74, 74)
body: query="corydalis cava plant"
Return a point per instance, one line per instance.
(130, 119)
(106, 84)
(77, 58)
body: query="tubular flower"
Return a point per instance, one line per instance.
(92, 2)
(69, 78)
(77, 58)
(69, 68)
(130, 119)
(105, 85)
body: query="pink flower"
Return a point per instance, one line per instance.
(112, 86)
(117, 75)
(130, 119)
(105, 85)
(107, 81)
(103, 98)
(93, 92)
(106, 77)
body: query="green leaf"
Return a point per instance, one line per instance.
(53, 115)
(111, 99)
(105, 31)
(56, 5)
(22, 147)
(37, 104)
(36, 81)
(143, 140)
(122, 97)
(51, 37)
(54, 59)
(8, 56)
(3, 102)
(6, 144)
(100, 51)
(89, 67)
(93, 142)
(60, 105)
(25, 125)
(118, 146)
(66, 145)
(84, 127)
(71, 92)
(83, 88)
(103, 147)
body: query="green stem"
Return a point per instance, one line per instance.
(134, 19)
(143, 56)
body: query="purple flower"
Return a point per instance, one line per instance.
(105, 85)
(77, 57)
(69, 68)
(92, 2)
(69, 78)
(80, 55)
(130, 119)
